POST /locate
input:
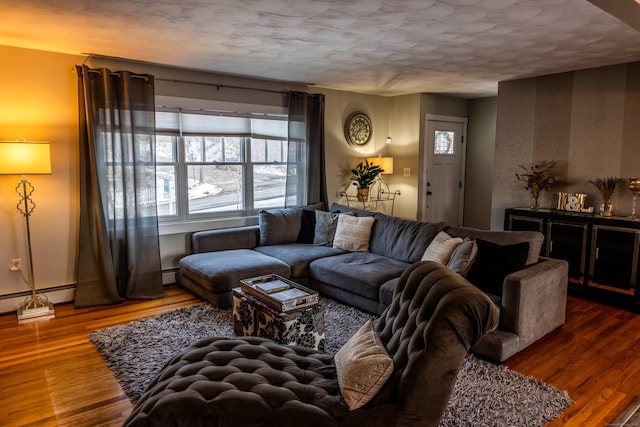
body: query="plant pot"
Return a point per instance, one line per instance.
(363, 194)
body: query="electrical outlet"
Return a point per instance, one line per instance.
(16, 264)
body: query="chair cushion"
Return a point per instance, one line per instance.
(363, 366)
(222, 271)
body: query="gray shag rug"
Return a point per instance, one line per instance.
(485, 394)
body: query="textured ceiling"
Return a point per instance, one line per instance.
(385, 47)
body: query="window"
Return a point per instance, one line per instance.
(443, 142)
(212, 163)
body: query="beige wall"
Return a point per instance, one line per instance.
(481, 137)
(404, 129)
(340, 156)
(38, 101)
(586, 120)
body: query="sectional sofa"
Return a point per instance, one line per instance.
(356, 257)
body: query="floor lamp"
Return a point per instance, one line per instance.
(27, 158)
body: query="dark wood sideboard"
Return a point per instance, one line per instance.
(603, 252)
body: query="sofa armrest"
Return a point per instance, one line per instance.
(225, 239)
(534, 300)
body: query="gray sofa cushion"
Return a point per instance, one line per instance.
(221, 271)
(299, 255)
(282, 225)
(361, 273)
(402, 239)
(279, 225)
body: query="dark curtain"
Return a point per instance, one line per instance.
(306, 181)
(119, 255)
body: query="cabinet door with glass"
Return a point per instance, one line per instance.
(568, 241)
(614, 254)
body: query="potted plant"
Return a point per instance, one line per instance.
(536, 178)
(606, 187)
(364, 175)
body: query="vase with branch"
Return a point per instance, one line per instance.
(538, 177)
(606, 187)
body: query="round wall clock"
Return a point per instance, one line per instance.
(358, 129)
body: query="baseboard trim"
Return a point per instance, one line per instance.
(57, 295)
(61, 294)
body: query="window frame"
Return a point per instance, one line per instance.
(247, 166)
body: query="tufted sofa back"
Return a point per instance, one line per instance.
(435, 317)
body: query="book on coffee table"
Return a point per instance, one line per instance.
(281, 294)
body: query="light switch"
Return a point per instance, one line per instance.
(407, 171)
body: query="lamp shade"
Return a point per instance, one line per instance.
(25, 158)
(386, 163)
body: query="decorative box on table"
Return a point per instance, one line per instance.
(253, 317)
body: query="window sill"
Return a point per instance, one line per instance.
(177, 227)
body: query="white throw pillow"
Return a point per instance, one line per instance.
(353, 233)
(362, 367)
(441, 248)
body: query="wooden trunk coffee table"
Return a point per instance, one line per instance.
(302, 327)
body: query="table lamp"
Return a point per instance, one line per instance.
(27, 158)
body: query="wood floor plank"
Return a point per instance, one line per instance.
(53, 376)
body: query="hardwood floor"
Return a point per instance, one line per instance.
(51, 375)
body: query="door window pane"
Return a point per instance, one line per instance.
(443, 142)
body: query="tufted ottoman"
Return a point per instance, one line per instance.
(243, 382)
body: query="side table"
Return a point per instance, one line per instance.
(302, 327)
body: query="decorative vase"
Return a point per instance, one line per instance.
(607, 209)
(363, 194)
(535, 194)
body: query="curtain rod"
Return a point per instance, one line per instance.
(220, 86)
(111, 73)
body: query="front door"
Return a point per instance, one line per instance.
(443, 159)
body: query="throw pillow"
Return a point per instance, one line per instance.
(463, 257)
(307, 226)
(495, 262)
(353, 233)
(278, 226)
(325, 230)
(441, 248)
(362, 366)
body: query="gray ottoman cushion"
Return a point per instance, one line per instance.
(222, 271)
